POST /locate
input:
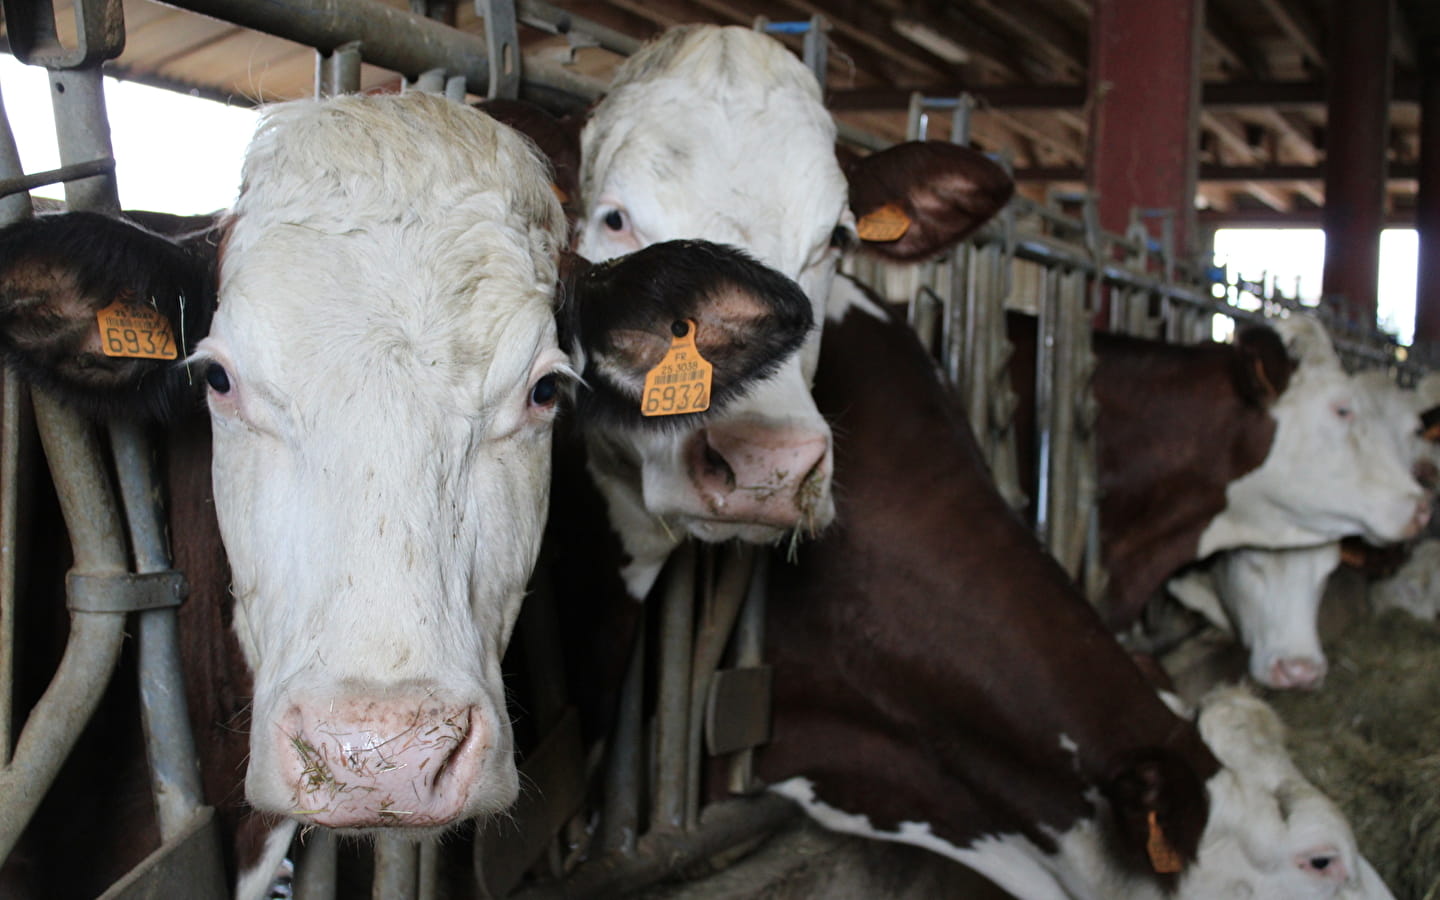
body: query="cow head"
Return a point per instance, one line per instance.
(382, 370)
(720, 133)
(1270, 599)
(1333, 468)
(1270, 832)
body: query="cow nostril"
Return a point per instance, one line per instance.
(716, 465)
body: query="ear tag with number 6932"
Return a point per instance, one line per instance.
(680, 382)
(135, 331)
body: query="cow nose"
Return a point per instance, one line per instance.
(767, 475)
(1299, 672)
(393, 763)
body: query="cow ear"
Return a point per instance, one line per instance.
(919, 198)
(1159, 804)
(557, 138)
(1262, 366)
(59, 272)
(623, 316)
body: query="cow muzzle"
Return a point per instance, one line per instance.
(393, 763)
(757, 474)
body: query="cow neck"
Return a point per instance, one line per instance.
(898, 636)
(1172, 433)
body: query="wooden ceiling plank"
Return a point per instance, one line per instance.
(870, 27)
(1298, 26)
(1030, 24)
(1235, 46)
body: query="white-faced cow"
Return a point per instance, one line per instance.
(720, 133)
(382, 371)
(1270, 598)
(1265, 442)
(940, 682)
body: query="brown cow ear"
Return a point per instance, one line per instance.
(1262, 366)
(917, 199)
(1159, 804)
(557, 138)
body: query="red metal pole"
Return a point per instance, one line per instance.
(1427, 204)
(1144, 99)
(1358, 100)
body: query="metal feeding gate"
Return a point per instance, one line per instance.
(713, 688)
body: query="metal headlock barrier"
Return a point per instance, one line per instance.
(651, 819)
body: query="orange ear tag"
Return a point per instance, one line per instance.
(1163, 857)
(680, 382)
(888, 223)
(135, 331)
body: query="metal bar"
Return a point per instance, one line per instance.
(393, 39)
(672, 716)
(169, 744)
(554, 20)
(749, 649)
(711, 637)
(620, 815)
(397, 868)
(722, 826)
(503, 46)
(97, 539)
(27, 183)
(315, 872)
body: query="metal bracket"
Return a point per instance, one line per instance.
(737, 715)
(816, 50)
(503, 42)
(34, 39)
(125, 591)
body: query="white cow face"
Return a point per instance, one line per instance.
(1270, 832)
(1333, 469)
(381, 371)
(1271, 600)
(720, 134)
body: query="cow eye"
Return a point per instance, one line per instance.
(615, 220)
(217, 378)
(545, 391)
(1344, 412)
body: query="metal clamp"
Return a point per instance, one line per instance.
(34, 39)
(502, 40)
(125, 591)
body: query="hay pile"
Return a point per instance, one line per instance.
(1371, 740)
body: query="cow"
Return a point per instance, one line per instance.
(940, 682)
(720, 133)
(383, 336)
(1270, 598)
(1266, 442)
(937, 679)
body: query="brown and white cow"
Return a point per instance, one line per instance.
(1270, 598)
(721, 134)
(1265, 442)
(940, 682)
(376, 328)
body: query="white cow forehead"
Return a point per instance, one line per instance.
(390, 231)
(727, 124)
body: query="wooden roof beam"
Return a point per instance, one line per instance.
(1299, 27)
(1234, 46)
(1056, 42)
